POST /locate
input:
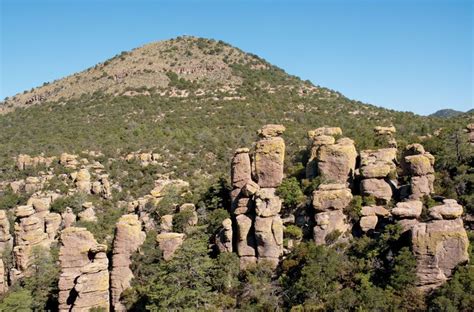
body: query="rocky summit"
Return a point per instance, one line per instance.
(189, 175)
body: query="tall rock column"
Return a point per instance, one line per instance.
(84, 278)
(5, 236)
(255, 206)
(418, 164)
(379, 173)
(128, 238)
(3, 281)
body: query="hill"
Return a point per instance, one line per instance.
(446, 113)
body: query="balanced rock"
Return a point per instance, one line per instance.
(69, 218)
(368, 223)
(128, 238)
(270, 131)
(328, 131)
(224, 237)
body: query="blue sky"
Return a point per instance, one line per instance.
(409, 55)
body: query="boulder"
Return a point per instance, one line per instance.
(421, 186)
(169, 243)
(384, 155)
(5, 236)
(270, 131)
(240, 168)
(331, 197)
(329, 131)
(88, 215)
(128, 238)
(3, 280)
(250, 189)
(267, 204)
(242, 205)
(385, 130)
(336, 162)
(408, 209)
(327, 223)
(439, 246)
(368, 223)
(52, 223)
(246, 237)
(269, 236)
(268, 162)
(378, 188)
(374, 211)
(166, 223)
(193, 220)
(376, 170)
(224, 237)
(69, 218)
(449, 210)
(419, 165)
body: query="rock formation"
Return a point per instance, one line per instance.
(470, 133)
(3, 281)
(418, 165)
(5, 236)
(378, 172)
(128, 238)
(83, 181)
(333, 160)
(26, 161)
(255, 205)
(385, 136)
(223, 238)
(169, 243)
(328, 202)
(84, 278)
(370, 217)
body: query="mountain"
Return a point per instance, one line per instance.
(446, 113)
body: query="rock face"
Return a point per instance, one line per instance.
(328, 202)
(418, 164)
(336, 162)
(128, 238)
(255, 205)
(169, 243)
(449, 210)
(84, 278)
(439, 246)
(408, 209)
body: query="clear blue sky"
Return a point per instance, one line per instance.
(414, 55)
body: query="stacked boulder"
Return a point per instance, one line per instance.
(3, 280)
(328, 202)
(378, 171)
(370, 216)
(223, 238)
(406, 213)
(5, 236)
(24, 161)
(83, 181)
(102, 187)
(69, 160)
(128, 238)
(255, 205)
(439, 245)
(84, 278)
(470, 133)
(418, 165)
(385, 135)
(333, 160)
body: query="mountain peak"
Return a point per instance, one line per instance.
(180, 67)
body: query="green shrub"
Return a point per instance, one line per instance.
(293, 232)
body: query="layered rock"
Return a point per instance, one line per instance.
(378, 171)
(128, 238)
(370, 216)
(418, 165)
(255, 205)
(84, 278)
(328, 202)
(88, 214)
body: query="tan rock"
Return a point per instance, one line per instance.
(269, 236)
(166, 223)
(331, 197)
(439, 246)
(5, 236)
(327, 223)
(449, 210)
(84, 271)
(268, 162)
(246, 237)
(240, 168)
(378, 188)
(169, 243)
(267, 204)
(374, 211)
(421, 186)
(128, 238)
(224, 237)
(408, 209)
(3, 280)
(270, 131)
(376, 170)
(336, 162)
(368, 223)
(330, 131)
(52, 223)
(88, 215)
(69, 218)
(419, 165)
(250, 189)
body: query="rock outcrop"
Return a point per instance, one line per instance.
(370, 217)
(385, 135)
(24, 161)
(3, 280)
(5, 236)
(224, 237)
(328, 202)
(255, 206)
(470, 133)
(84, 278)
(439, 246)
(128, 238)
(169, 243)
(418, 165)
(333, 160)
